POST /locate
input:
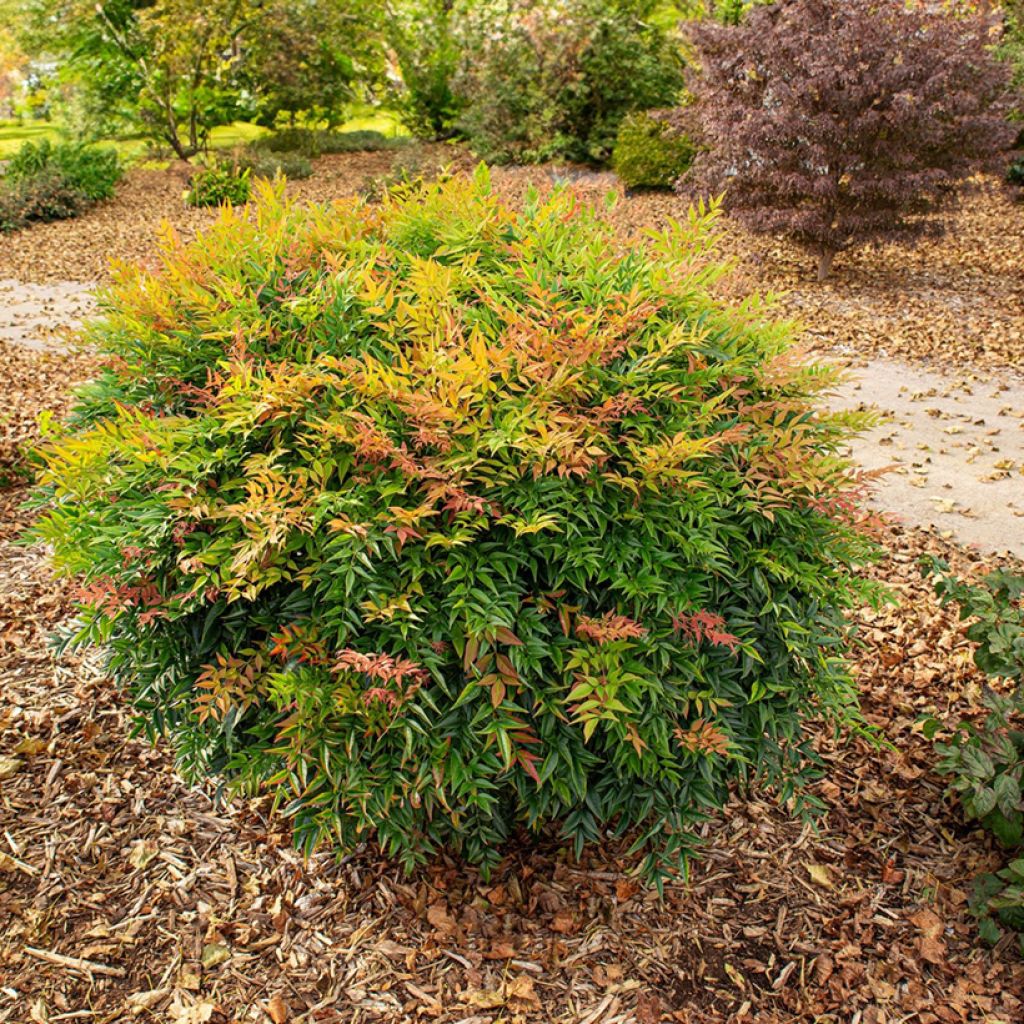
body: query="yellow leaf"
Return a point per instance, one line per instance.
(821, 875)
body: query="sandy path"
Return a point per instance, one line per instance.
(956, 443)
(39, 315)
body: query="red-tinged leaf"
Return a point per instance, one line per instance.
(529, 761)
(506, 636)
(470, 653)
(497, 690)
(564, 619)
(506, 668)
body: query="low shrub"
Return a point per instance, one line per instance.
(45, 182)
(12, 209)
(48, 196)
(267, 164)
(217, 185)
(1015, 172)
(362, 141)
(437, 519)
(90, 171)
(649, 153)
(994, 604)
(986, 761)
(312, 143)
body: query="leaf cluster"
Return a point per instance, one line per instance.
(986, 761)
(218, 184)
(547, 81)
(649, 153)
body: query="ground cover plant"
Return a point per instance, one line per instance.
(454, 519)
(843, 144)
(986, 761)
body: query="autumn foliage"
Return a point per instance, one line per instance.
(436, 519)
(841, 123)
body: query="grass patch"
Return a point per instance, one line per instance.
(133, 149)
(14, 135)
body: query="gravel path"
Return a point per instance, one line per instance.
(955, 444)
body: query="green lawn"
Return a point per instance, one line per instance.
(13, 135)
(364, 118)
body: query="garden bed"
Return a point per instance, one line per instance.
(125, 894)
(198, 912)
(953, 301)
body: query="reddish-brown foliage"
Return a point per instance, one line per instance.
(839, 123)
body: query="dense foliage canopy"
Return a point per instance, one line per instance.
(175, 69)
(551, 80)
(436, 519)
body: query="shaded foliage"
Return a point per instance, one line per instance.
(426, 40)
(47, 181)
(219, 184)
(986, 761)
(649, 153)
(554, 80)
(175, 70)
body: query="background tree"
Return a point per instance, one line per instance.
(309, 59)
(176, 69)
(424, 37)
(554, 80)
(838, 123)
(171, 61)
(12, 58)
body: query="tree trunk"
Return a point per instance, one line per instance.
(825, 258)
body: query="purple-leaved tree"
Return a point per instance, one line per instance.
(841, 122)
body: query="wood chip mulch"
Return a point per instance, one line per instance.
(125, 895)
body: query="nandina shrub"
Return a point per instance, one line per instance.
(435, 519)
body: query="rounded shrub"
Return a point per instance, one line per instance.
(47, 181)
(436, 519)
(91, 172)
(314, 142)
(649, 153)
(218, 185)
(267, 164)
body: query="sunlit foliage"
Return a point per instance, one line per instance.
(436, 519)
